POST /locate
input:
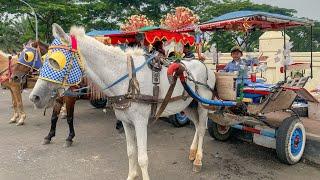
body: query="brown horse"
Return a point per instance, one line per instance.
(6, 73)
(17, 79)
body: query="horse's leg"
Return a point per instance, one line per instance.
(203, 117)
(63, 113)
(54, 118)
(14, 103)
(131, 151)
(141, 135)
(70, 101)
(193, 115)
(22, 114)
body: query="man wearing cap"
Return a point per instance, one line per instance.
(237, 63)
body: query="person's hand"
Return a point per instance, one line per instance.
(314, 90)
(263, 58)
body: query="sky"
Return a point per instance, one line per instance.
(305, 8)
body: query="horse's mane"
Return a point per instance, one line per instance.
(80, 33)
(4, 55)
(43, 46)
(3, 60)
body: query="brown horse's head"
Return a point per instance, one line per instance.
(26, 59)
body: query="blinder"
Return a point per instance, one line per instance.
(62, 64)
(30, 57)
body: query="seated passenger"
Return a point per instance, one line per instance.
(140, 42)
(237, 62)
(188, 52)
(157, 46)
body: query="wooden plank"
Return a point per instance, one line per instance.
(299, 66)
(227, 119)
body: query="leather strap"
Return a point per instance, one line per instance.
(154, 105)
(133, 82)
(1, 72)
(61, 47)
(166, 98)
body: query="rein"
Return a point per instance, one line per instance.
(122, 78)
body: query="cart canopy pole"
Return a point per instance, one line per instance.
(217, 52)
(284, 48)
(311, 51)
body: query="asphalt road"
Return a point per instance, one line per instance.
(99, 151)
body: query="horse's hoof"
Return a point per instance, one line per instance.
(20, 123)
(46, 141)
(67, 144)
(133, 176)
(192, 155)
(12, 121)
(197, 165)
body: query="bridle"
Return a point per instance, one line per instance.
(75, 53)
(32, 67)
(73, 48)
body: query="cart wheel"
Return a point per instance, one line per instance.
(179, 119)
(218, 132)
(99, 103)
(291, 140)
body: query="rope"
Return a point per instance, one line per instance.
(127, 75)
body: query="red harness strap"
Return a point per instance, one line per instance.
(10, 66)
(5, 77)
(176, 69)
(74, 45)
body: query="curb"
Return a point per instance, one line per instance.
(312, 150)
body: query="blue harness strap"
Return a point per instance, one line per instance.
(195, 96)
(127, 75)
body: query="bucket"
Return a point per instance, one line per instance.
(226, 85)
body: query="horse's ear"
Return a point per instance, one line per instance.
(58, 32)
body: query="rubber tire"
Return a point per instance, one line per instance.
(283, 140)
(213, 131)
(100, 103)
(174, 119)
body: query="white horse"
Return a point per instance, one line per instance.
(104, 65)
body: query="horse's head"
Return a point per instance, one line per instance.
(62, 68)
(29, 60)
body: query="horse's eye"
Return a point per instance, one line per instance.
(57, 60)
(28, 56)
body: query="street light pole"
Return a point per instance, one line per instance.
(35, 17)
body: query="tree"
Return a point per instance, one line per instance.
(110, 14)
(92, 14)
(226, 40)
(13, 34)
(65, 13)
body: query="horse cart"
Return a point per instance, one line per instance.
(150, 38)
(263, 112)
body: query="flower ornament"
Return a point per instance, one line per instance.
(135, 22)
(181, 17)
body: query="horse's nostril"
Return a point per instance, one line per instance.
(15, 78)
(35, 98)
